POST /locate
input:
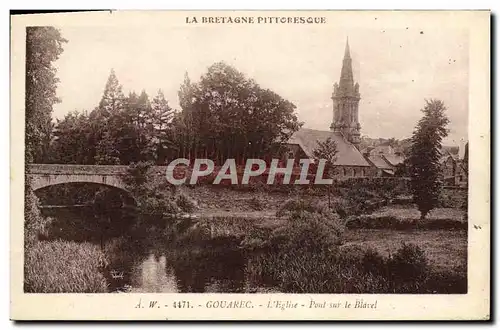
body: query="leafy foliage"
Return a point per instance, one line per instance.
(348, 270)
(43, 47)
(295, 205)
(34, 223)
(311, 226)
(121, 130)
(424, 165)
(224, 115)
(408, 263)
(327, 150)
(185, 203)
(153, 195)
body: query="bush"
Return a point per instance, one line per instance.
(185, 203)
(152, 195)
(34, 223)
(353, 270)
(294, 206)
(257, 203)
(447, 282)
(373, 263)
(309, 231)
(362, 200)
(393, 222)
(408, 264)
(69, 267)
(157, 204)
(138, 174)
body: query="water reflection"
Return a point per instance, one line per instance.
(184, 271)
(144, 257)
(154, 275)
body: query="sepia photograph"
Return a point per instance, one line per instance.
(249, 153)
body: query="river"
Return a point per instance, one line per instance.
(145, 257)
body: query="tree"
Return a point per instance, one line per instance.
(106, 151)
(145, 144)
(43, 47)
(327, 150)
(120, 130)
(112, 100)
(162, 119)
(105, 120)
(226, 115)
(424, 155)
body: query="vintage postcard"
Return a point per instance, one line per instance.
(250, 165)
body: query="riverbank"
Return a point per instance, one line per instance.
(260, 242)
(231, 254)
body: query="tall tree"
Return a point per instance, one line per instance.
(231, 116)
(144, 127)
(424, 155)
(162, 119)
(43, 48)
(105, 119)
(327, 150)
(120, 130)
(112, 100)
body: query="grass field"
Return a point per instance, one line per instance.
(444, 248)
(410, 212)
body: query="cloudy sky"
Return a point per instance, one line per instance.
(397, 69)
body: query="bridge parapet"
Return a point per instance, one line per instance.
(62, 169)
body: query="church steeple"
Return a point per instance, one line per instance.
(347, 52)
(346, 98)
(346, 77)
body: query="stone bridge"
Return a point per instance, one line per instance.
(43, 175)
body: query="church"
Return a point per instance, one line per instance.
(344, 130)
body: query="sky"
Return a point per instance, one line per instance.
(397, 69)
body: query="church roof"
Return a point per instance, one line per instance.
(394, 159)
(379, 162)
(347, 154)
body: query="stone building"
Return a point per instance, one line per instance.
(385, 158)
(344, 129)
(453, 168)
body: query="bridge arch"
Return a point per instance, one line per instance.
(129, 197)
(44, 175)
(44, 180)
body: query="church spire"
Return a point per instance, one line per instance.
(347, 53)
(346, 83)
(346, 98)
